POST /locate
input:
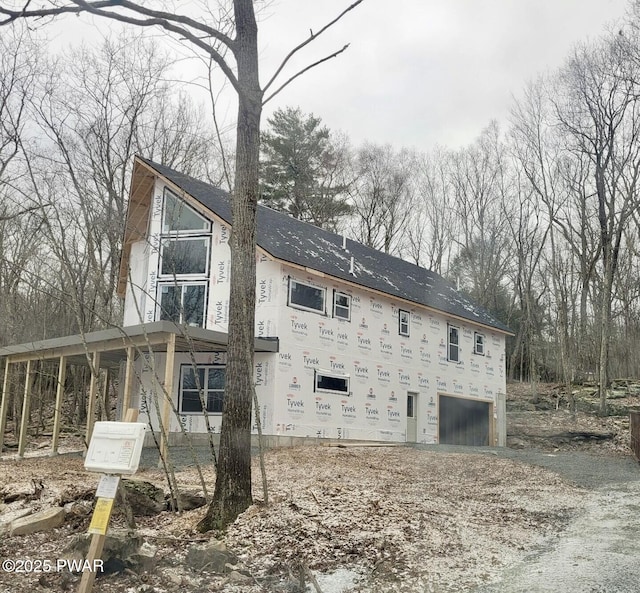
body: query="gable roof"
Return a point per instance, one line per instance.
(290, 240)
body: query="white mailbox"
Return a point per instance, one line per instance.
(115, 447)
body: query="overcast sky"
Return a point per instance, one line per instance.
(424, 72)
(418, 73)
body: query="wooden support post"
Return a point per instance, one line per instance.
(128, 381)
(62, 376)
(4, 406)
(104, 415)
(93, 389)
(97, 541)
(165, 421)
(26, 403)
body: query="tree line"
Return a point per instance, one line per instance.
(537, 219)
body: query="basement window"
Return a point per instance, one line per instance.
(331, 383)
(306, 296)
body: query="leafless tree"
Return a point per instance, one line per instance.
(233, 481)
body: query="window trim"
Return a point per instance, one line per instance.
(407, 332)
(337, 293)
(479, 351)
(317, 373)
(450, 344)
(182, 286)
(293, 305)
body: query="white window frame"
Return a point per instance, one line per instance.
(182, 286)
(336, 306)
(175, 239)
(455, 345)
(322, 290)
(317, 376)
(204, 230)
(204, 388)
(406, 322)
(478, 345)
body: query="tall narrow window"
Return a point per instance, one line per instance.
(341, 305)
(453, 344)
(478, 343)
(404, 322)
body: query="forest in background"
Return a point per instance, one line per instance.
(537, 220)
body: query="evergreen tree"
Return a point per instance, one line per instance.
(302, 170)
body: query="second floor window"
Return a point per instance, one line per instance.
(478, 343)
(306, 296)
(453, 344)
(341, 305)
(183, 303)
(404, 318)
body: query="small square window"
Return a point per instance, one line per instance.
(478, 344)
(204, 383)
(453, 344)
(342, 305)
(404, 318)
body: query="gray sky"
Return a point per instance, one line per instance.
(419, 73)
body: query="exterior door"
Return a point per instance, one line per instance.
(412, 417)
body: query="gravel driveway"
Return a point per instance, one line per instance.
(599, 552)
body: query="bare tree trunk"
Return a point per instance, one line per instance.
(232, 494)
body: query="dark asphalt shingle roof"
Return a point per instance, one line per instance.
(294, 241)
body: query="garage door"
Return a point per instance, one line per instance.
(463, 421)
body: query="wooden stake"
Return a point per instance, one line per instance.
(97, 541)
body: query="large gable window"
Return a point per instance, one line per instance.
(177, 216)
(306, 296)
(185, 256)
(183, 269)
(209, 380)
(182, 303)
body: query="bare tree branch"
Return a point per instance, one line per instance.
(301, 72)
(312, 37)
(180, 25)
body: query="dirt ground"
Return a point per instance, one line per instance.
(361, 519)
